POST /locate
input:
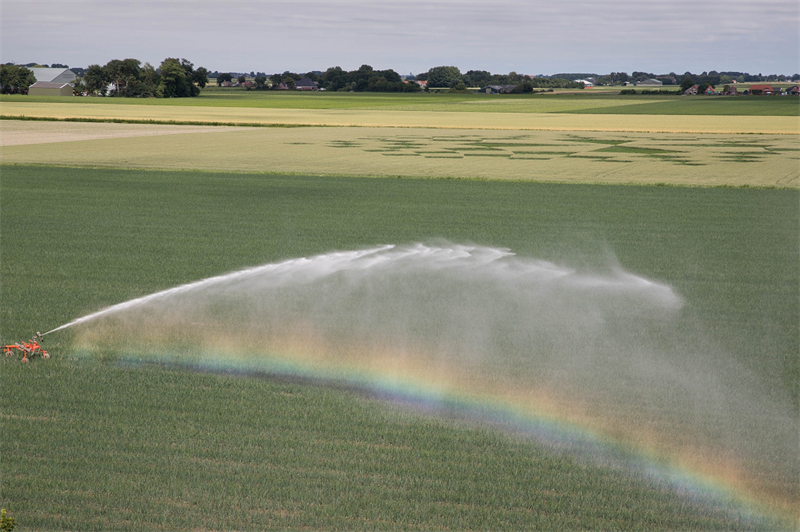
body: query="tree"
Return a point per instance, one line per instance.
(173, 82)
(78, 88)
(222, 78)
(121, 73)
(145, 84)
(15, 79)
(524, 87)
(95, 80)
(687, 83)
(444, 76)
(275, 80)
(241, 79)
(478, 78)
(200, 77)
(260, 81)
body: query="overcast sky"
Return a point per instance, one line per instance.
(529, 37)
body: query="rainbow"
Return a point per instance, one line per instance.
(448, 328)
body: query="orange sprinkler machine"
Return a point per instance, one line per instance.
(28, 349)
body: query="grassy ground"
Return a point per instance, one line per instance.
(78, 441)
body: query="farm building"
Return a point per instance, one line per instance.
(794, 91)
(761, 89)
(650, 83)
(46, 88)
(691, 90)
(305, 84)
(498, 89)
(54, 75)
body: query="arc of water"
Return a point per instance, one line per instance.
(204, 283)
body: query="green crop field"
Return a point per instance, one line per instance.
(669, 395)
(99, 445)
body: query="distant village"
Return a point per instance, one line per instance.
(60, 80)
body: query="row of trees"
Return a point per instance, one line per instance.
(174, 78)
(451, 77)
(365, 79)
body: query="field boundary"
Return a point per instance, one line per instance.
(398, 176)
(152, 121)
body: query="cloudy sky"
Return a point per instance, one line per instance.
(529, 37)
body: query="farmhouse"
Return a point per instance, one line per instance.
(54, 75)
(762, 89)
(691, 90)
(794, 91)
(305, 84)
(498, 89)
(46, 88)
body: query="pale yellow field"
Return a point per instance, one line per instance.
(413, 119)
(16, 132)
(604, 157)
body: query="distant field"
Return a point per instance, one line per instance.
(584, 102)
(640, 158)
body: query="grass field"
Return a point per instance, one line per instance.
(235, 452)
(698, 434)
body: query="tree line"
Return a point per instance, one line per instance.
(367, 79)
(174, 78)
(452, 78)
(364, 79)
(179, 78)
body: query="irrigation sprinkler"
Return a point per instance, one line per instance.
(28, 349)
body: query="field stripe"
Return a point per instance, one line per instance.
(408, 119)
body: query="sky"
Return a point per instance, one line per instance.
(411, 36)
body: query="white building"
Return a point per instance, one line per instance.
(54, 75)
(650, 83)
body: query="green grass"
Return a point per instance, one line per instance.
(108, 447)
(243, 453)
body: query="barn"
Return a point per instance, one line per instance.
(54, 75)
(46, 88)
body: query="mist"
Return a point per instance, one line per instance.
(598, 348)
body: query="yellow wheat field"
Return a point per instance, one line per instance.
(412, 119)
(709, 159)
